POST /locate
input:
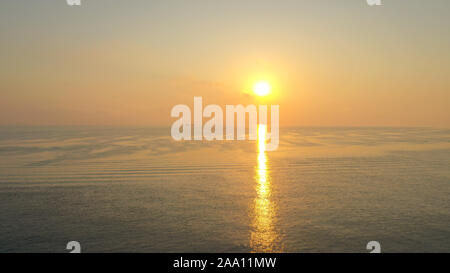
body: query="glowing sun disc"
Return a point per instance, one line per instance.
(261, 89)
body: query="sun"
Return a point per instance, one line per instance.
(261, 88)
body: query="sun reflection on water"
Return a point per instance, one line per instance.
(264, 237)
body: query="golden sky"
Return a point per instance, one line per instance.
(330, 63)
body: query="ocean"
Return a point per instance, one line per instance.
(137, 190)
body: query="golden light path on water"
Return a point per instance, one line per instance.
(264, 236)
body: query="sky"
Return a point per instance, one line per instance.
(127, 63)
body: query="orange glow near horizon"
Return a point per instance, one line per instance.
(133, 74)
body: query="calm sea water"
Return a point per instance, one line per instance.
(137, 190)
